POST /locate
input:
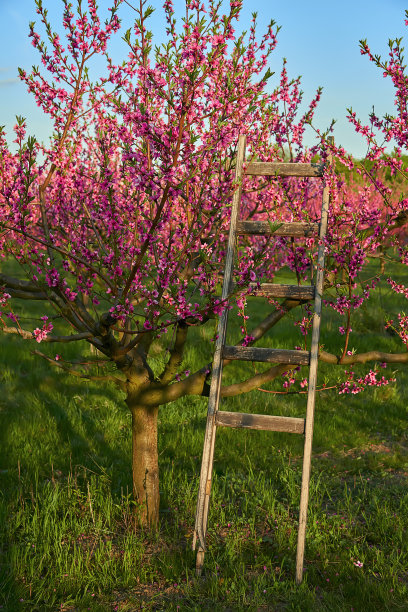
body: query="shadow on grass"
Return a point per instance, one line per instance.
(45, 413)
(49, 424)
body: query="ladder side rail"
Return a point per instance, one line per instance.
(314, 356)
(215, 388)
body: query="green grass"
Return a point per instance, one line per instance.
(68, 533)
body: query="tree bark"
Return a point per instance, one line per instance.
(145, 463)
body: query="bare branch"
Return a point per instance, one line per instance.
(120, 383)
(155, 395)
(19, 285)
(66, 308)
(82, 310)
(255, 381)
(26, 295)
(176, 354)
(131, 345)
(363, 358)
(20, 332)
(128, 3)
(271, 320)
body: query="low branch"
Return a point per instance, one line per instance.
(156, 395)
(120, 383)
(260, 379)
(256, 381)
(363, 358)
(27, 335)
(29, 291)
(196, 384)
(23, 333)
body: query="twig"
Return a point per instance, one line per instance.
(120, 383)
(27, 335)
(294, 392)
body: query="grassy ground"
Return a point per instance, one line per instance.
(67, 530)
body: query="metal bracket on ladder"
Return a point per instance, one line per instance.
(216, 417)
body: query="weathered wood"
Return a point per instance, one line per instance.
(263, 422)
(204, 490)
(254, 353)
(286, 229)
(284, 169)
(302, 292)
(314, 355)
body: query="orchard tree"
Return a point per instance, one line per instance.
(383, 217)
(119, 224)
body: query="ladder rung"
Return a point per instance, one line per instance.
(260, 422)
(303, 292)
(252, 353)
(286, 229)
(284, 169)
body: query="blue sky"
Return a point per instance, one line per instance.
(319, 40)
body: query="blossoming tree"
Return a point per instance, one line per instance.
(118, 225)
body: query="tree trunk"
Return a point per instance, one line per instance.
(145, 463)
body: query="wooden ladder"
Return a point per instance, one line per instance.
(216, 418)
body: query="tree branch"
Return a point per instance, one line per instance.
(27, 335)
(11, 283)
(271, 320)
(363, 358)
(120, 383)
(176, 354)
(27, 290)
(63, 252)
(196, 384)
(26, 295)
(255, 381)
